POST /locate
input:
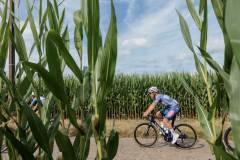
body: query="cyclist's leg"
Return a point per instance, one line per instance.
(159, 116)
(166, 119)
(171, 113)
(169, 116)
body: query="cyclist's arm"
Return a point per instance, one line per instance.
(149, 110)
(152, 106)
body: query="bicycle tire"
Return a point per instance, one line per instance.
(148, 126)
(4, 149)
(226, 139)
(183, 136)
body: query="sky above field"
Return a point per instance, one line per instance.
(149, 36)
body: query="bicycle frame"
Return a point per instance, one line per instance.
(154, 123)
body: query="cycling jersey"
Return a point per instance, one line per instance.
(167, 101)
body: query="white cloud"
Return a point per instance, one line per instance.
(141, 42)
(183, 56)
(150, 24)
(215, 45)
(130, 10)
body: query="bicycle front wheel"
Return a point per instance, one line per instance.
(187, 136)
(145, 134)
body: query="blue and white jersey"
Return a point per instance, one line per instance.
(35, 101)
(167, 101)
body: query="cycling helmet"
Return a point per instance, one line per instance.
(153, 90)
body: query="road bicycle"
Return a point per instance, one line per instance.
(146, 134)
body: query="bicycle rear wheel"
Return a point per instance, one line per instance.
(228, 139)
(145, 134)
(187, 136)
(4, 148)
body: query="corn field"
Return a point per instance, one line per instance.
(128, 97)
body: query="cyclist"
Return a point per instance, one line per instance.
(165, 115)
(34, 102)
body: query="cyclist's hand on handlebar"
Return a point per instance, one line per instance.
(145, 114)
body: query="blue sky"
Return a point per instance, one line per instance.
(149, 36)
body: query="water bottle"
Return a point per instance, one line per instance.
(161, 126)
(166, 130)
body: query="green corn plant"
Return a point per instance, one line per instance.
(22, 141)
(56, 53)
(101, 65)
(4, 30)
(225, 14)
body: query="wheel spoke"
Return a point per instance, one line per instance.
(145, 134)
(187, 136)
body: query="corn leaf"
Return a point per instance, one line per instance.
(53, 129)
(40, 12)
(85, 89)
(26, 22)
(194, 14)
(201, 6)
(43, 23)
(112, 144)
(217, 68)
(232, 23)
(20, 44)
(203, 39)
(24, 25)
(63, 141)
(202, 115)
(38, 129)
(76, 145)
(78, 33)
(218, 10)
(21, 148)
(47, 108)
(57, 40)
(65, 37)
(4, 20)
(56, 8)
(234, 104)
(110, 48)
(93, 33)
(52, 84)
(34, 29)
(185, 32)
(53, 22)
(23, 86)
(61, 20)
(54, 63)
(4, 47)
